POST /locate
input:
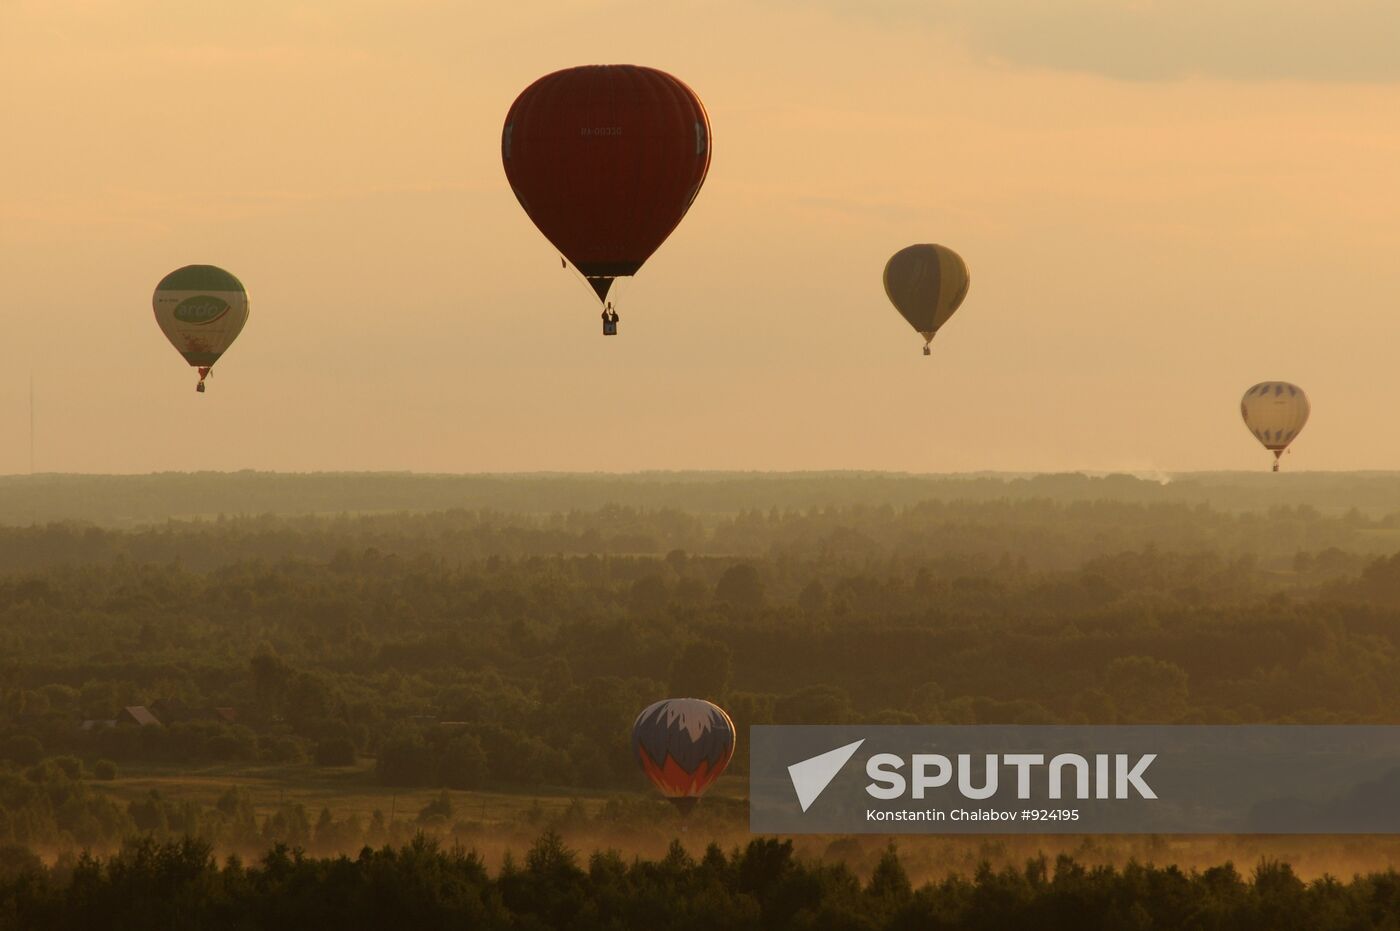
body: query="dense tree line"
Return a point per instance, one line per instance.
(150, 886)
(1038, 534)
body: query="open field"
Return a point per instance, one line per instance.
(345, 791)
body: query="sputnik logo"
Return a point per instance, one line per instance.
(811, 776)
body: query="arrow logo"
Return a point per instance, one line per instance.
(811, 776)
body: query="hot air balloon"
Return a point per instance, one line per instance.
(683, 744)
(1275, 412)
(926, 284)
(201, 309)
(606, 160)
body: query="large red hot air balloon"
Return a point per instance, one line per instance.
(606, 160)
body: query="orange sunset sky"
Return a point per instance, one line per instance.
(1161, 203)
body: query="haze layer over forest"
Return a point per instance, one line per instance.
(136, 499)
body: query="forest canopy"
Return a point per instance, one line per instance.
(473, 648)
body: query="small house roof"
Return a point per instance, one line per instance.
(141, 715)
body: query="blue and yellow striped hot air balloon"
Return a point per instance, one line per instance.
(926, 283)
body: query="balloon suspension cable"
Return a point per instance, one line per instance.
(578, 275)
(587, 282)
(615, 292)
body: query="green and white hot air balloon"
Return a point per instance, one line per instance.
(926, 284)
(1275, 412)
(201, 309)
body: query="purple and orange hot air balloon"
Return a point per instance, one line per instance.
(683, 744)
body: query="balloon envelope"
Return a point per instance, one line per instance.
(683, 744)
(201, 309)
(1275, 412)
(606, 160)
(926, 283)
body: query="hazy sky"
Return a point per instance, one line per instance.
(1161, 203)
